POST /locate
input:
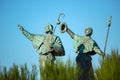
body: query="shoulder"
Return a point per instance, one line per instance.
(56, 37)
(94, 42)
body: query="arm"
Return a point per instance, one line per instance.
(97, 50)
(70, 33)
(64, 28)
(26, 33)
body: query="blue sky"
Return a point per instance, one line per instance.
(33, 15)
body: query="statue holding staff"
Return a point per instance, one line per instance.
(85, 47)
(48, 45)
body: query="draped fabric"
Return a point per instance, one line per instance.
(41, 43)
(85, 44)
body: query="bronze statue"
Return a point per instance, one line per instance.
(48, 46)
(85, 46)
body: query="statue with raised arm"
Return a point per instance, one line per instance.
(85, 46)
(48, 46)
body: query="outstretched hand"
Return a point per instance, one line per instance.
(20, 27)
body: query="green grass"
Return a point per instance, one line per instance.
(59, 71)
(18, 73)
(109, 69)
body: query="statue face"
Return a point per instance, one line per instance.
(88, 31)
(49, 28)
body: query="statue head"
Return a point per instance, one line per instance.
(88, 31)
(49, 28)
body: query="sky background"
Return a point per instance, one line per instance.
(33, 15)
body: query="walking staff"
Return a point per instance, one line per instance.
(108, 24)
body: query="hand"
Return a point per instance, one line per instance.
(20, 27)
(103, 55)
(58, 22)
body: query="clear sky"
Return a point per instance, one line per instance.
(33, 15)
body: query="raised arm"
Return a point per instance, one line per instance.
(26, 33)
(70, 33)
(64, 28)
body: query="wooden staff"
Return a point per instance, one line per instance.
(108, 24)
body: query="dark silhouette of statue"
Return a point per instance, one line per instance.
(85, 47)
(48, 45)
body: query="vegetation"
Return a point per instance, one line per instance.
(59, 71)
(18, 73)
(109, 69)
